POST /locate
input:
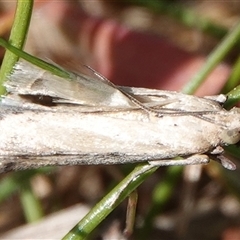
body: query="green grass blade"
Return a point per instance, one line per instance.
(32, 208)
(17, 38)
(214, 58)
(101, 210)
(54, 69)
(234, 78)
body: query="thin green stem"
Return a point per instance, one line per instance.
(110, 202)
(17, 38)
(31, 205)
(214, 58)
(234, 78)
(13, 182)
(233, 97)
(54, 69)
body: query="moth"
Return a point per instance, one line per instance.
(51, 120)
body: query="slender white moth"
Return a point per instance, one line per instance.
(50, 120)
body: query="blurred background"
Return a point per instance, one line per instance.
(153, 44)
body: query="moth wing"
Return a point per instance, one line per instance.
(175, 100)
(27, 79)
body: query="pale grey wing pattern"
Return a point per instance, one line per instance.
(175, 100)
(27, 79)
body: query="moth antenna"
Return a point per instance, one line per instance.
(157, 113)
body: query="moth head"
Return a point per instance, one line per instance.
(230, 136)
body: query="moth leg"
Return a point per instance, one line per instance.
(131, 212)
(225, 162)
(217, 150)
(217, 155)
(194, 159)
